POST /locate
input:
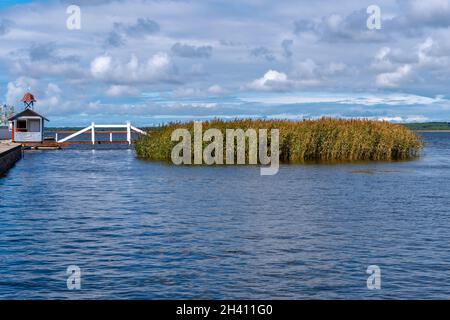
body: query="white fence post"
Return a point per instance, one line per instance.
(129, 132)
(110, 137)
(93, 132)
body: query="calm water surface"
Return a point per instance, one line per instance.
(145, 230)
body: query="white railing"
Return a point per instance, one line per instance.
(92, 127)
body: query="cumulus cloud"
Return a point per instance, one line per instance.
(432, 54)
(48, 51)
(190, 51)
(52, 98)
(307, 69)
(100, 66)
(306, 73)
(16, 89)
(310, 73)
(271, 81)
(338, 28)
(47, 94)
(382, 60)
(428, 60)
(157, 68)
(393, 79)
(39, 60)
(169, 50)
(413, 18)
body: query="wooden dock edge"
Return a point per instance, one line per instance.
(9, 155)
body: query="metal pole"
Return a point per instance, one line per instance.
(110, 137)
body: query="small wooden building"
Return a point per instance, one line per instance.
(28, 125)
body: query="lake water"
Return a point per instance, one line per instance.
(143, 230)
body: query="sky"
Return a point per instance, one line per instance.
(154, 61)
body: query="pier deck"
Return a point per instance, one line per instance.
(6, 147)
(60, 145)
(10, 153)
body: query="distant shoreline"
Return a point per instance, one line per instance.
(428, 126)
(430, 131)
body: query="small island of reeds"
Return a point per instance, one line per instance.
(325, 139)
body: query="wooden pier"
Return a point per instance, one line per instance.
(59, 145)
(10, 153)
(69, 140)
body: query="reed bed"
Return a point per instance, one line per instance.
(326, 139)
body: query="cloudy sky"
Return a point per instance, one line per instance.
(151, 61)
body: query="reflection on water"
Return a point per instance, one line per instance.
(147, 230)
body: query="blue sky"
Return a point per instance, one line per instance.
(154, 61)
(9, 3)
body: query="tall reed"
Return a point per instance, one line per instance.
(326, 139)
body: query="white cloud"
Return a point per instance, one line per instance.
(335, 67)
(393, 79)
(364, 99)
(187, 92)
(272, 80)
(424, 49)
(16, 90)
(325, 50)
(430, 8)
(382, 61)
(156, 68)
(48, 95)
(311, 73)
(216, 89)
(159, 61)
(121, 90)
(194, 105)
(306, 69)
(433, 54)
(100, 66)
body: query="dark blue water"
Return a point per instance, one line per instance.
(145, 230)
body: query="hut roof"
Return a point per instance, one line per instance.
(28, 97)
(27, 113)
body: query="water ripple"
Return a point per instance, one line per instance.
(142, 230)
